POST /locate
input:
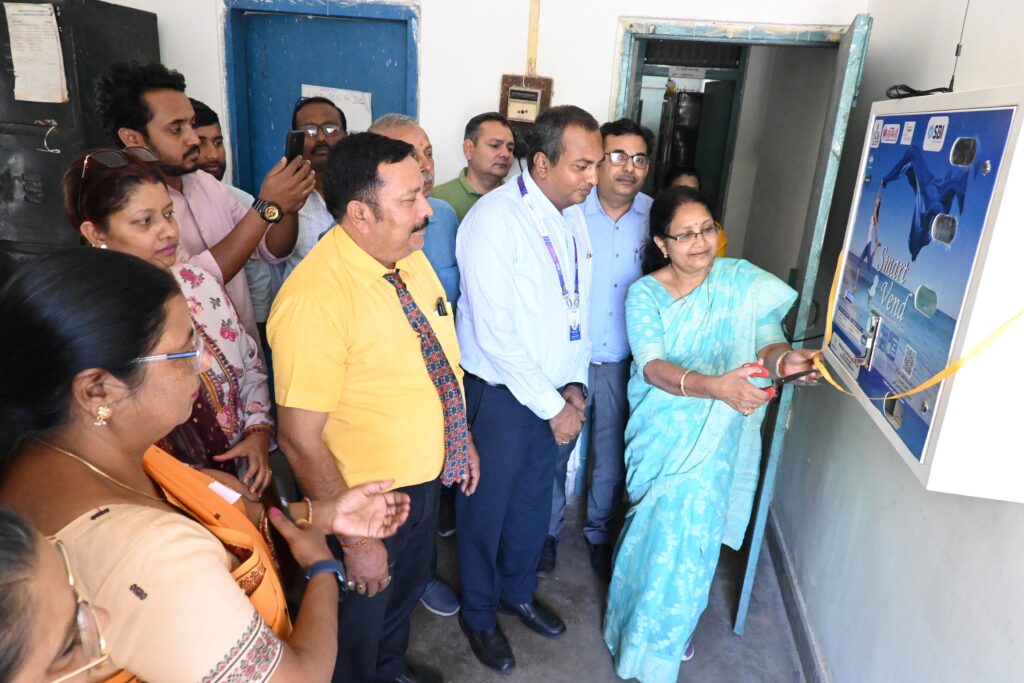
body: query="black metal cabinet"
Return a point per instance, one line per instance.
(39, 140)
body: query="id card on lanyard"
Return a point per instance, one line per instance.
(572, 301)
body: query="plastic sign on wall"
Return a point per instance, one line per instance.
(911, 250)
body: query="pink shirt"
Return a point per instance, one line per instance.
(206, 213)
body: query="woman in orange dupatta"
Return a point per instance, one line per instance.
(100, 359)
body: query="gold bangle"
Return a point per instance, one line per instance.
(682, 384)
(349, 546)
(309, 512)
(259, 429)
(778, 363)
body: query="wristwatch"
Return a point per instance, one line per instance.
(579, 385)
(268, 210)
(322, 566)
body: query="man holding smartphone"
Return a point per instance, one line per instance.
(324, 126)
(144, 105)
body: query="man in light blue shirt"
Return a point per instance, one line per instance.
(617, 215)
(523, 324)
(439, 241)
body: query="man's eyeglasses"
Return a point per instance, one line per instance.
(112, 158)
(90, 635)
(618, 158)
(328, 129)
(707, 230)
(197, 353)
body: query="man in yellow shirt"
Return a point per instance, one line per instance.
(369, 387)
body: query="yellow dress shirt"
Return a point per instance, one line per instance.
(342, 345)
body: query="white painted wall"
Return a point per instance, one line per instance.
(192, 41)
(782, 116)
(902, 584)
(746, 151)
(466, 45)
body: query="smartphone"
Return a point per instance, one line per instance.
(294, 143)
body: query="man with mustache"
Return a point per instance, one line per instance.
(212, 153)
(369, 387)
(324, 125)
(525, 261)
(439, 248)
(617, 219)
(146, 106)
(488, 147)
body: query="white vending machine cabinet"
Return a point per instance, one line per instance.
(932, 265)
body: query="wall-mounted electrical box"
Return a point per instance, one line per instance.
(523, 104)
(931, 266)
(522, 100)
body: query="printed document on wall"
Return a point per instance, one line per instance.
(35, 53)
(356, 104)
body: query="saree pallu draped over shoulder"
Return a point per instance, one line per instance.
(692, 464)
(256, 573)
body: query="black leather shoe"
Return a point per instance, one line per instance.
(536, 617)
(546, 564)
(418, 674)
(490, 646)
(601, 560)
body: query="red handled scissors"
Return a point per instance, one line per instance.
(777, 383)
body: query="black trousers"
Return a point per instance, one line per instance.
(373, 633)
(502, 526)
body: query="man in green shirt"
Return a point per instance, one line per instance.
(488, 148)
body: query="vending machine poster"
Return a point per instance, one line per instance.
(925, 195)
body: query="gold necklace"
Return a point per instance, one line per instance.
(100, 472)
(685, 299)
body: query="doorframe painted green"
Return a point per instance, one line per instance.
(632, 36)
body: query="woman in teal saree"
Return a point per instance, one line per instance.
(693, 441)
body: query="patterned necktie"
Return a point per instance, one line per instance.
(456, 439)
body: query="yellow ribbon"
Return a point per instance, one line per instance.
(948, 371)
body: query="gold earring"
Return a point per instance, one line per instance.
(103, 414)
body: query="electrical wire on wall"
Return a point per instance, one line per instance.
(899, 92)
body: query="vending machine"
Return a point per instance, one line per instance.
(931, 272)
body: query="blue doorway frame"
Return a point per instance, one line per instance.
(237, 75)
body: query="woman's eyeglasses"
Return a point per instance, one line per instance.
(618, 158)
(685, 237)
(118, 158)
(197, 353)
(90, 635)
(112, 158)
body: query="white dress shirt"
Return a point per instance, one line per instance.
(512, 320)
(314, 219)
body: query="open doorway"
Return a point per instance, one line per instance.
(779, 137)
(749, 119)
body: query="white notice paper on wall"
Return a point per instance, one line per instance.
(694, 72)
(355, 104)
(35, 53)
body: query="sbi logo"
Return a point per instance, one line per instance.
(935, 133)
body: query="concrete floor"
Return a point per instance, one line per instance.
(766, 653)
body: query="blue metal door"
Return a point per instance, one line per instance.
(272, 54)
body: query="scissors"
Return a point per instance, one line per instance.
(777, 383)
